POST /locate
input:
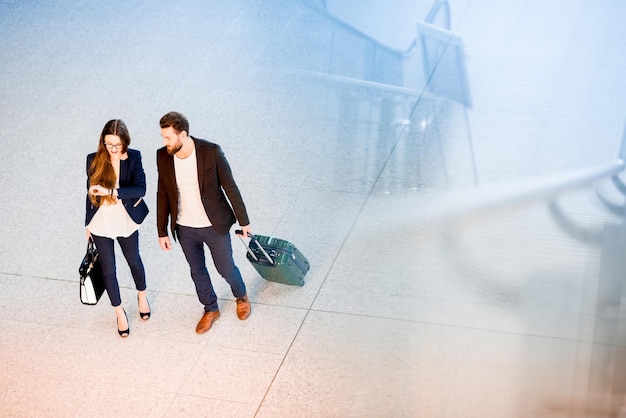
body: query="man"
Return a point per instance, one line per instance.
(193, 177)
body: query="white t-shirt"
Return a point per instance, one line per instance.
(190, 209)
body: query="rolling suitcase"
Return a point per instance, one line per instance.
(276, 260)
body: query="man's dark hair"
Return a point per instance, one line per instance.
(176, 120)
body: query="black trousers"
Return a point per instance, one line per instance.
(192, 241)
(106, 254)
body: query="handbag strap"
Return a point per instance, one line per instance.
(92, 250)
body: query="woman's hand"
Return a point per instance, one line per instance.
(87, 233)
(98, 190)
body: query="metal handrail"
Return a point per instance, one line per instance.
(357, 82)
(379, 87)
(485, 199)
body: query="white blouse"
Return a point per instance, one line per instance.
(112, 220)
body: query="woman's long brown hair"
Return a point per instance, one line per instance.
(101, 170)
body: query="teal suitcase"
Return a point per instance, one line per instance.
(276, 260)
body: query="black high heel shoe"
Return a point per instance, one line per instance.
(125, 333)
(144, 315)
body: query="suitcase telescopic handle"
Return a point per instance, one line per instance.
(239, 233)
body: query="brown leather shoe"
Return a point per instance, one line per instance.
(243, 308)
(206, 321)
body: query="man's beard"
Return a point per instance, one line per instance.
(175, 148)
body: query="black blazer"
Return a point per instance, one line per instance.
(132, 188)
(214, 178)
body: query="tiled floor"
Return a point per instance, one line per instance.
(516, 313)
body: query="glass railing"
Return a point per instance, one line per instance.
(530, 264)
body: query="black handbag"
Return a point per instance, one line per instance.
(91, 281)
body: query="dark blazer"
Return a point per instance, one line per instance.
(214, 178)
(132, 187)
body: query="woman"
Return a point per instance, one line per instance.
(115, 208)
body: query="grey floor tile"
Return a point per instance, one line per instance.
(184, 405)
(337, 367)
(250, 373)
(269, 329)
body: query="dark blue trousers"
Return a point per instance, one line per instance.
(192, 241)
(106, 255)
